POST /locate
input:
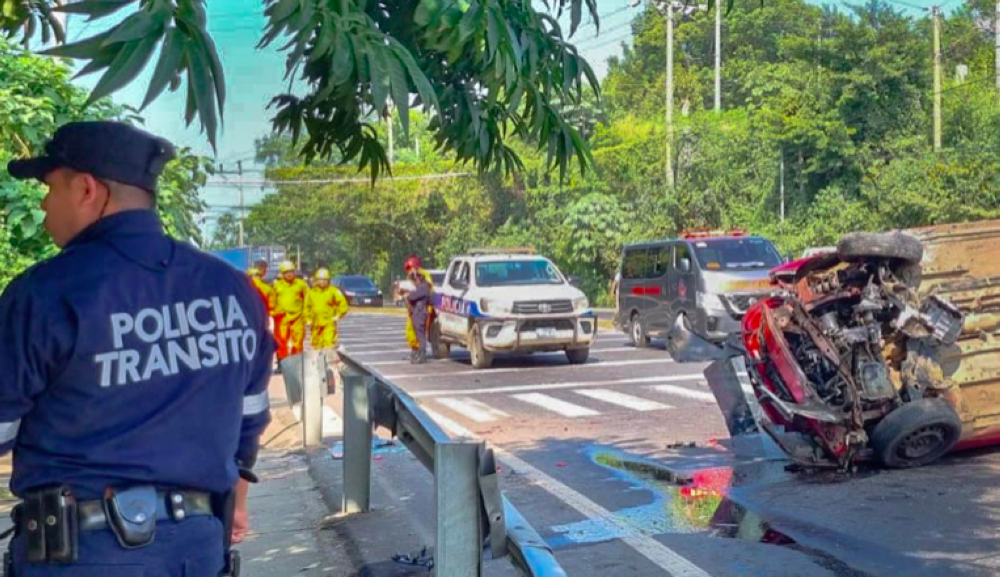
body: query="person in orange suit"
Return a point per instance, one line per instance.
(288, 305)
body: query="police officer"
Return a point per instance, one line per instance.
(133, 374)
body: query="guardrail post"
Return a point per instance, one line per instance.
(459, 544)
(357, 444)
(313, 385)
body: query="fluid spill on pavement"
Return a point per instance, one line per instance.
(694, 503)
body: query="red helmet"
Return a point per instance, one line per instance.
(412, 263)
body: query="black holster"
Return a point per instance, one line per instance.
(48, 521)
(224, 507)
(131, 515)
(8, 564)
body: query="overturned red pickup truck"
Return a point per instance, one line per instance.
(883, 350)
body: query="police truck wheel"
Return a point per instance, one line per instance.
(916, 433)
(481, 358)
(637, 333)
(577, 356)
(440, 349)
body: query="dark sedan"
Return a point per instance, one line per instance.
(359, 290)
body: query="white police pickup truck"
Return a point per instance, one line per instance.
(511, 301)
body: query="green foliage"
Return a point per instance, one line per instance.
(36, 97)
(841, 100)
(485, 70)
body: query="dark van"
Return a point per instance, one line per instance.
(710, 277)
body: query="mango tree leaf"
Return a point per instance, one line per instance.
(131, 59)
(171, 56)
(93, 8)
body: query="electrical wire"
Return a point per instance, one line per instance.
(228, 183)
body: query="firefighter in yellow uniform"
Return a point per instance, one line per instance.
(288, 305)
(325, 305)
(411, 264)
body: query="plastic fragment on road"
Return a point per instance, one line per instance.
(422, 559)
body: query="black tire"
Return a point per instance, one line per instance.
(577, 356)
(916, 433)
(481, 358)
(441, 349)
(910, 274)
(636, 333)
(892, 245)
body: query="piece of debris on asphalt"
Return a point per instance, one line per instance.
(422, 559)
(561, 464)
(682, 445)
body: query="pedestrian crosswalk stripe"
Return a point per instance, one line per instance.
(683, 392)
(556, 405)
(494, 389)
(472, 409)
(623, 400)
(561, 367)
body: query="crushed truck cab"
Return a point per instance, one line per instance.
(511, 302)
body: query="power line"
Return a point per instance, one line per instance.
(609, 42)
(339, 180)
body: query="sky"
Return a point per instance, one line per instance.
(253, 76)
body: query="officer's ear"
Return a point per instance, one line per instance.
(90, 192)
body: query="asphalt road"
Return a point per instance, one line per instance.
(599, 458)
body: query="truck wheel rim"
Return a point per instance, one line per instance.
(922, 442)
(636, 330)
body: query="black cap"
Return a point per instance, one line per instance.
(108, 150)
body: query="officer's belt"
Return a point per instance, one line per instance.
(92, 516)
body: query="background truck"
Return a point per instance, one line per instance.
(242, 258)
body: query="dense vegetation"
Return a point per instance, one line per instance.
(843, 95)
(36, 96)
(486, 69)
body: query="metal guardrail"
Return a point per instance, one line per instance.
(470, 509)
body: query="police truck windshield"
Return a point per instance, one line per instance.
(736, 254)
(517, 272)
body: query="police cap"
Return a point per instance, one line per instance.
(108, 150)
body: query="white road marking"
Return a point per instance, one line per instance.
(623, 400)
(685, 393)
(486, 372)
(556, 386)
(664, 557)
(556, 405)
(473, 409)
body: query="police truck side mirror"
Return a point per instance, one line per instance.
(573, 280)
(684, 264)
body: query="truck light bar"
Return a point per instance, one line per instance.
(707, 233)
(514, 250)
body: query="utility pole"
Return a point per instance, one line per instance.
(781, 185)
(392, 142)
(239, 171)
(670, 92)
(996, 29)
(936, 12)
(718, 56)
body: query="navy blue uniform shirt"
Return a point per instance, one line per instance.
(131, 358)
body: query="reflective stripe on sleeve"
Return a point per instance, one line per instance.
(255, 404)
(8, 431)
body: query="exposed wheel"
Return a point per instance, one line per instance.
(481, 358)
(577, 356)
(917, 433)
(636, 333)
(910, 274)
(441, 349)
(893, 245)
